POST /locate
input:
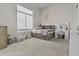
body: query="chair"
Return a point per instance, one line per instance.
(61, 34)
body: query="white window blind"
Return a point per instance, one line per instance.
(29, 22)
(20, 21)
(24, 18)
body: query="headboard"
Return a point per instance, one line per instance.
(48, 27)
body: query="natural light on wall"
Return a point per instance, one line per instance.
(24, 18)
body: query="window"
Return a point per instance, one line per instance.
(29, 22)
(24, 18)
(20, 21)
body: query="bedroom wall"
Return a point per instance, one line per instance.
(58, 14)
(8, 16)
(37, 13)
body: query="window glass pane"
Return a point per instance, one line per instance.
(20, 21)
(25, 10)
(29, 22)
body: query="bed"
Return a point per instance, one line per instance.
(45, 32)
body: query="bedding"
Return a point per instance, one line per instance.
(17, 37)
(46, 31)
(43, 31)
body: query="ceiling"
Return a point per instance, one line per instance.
(42, 5)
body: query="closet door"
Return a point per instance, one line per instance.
(3, 37)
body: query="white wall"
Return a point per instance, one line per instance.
(78, 14)
(75, 21)
(8, 16)
(74, 35)
(37, 13)
(58, 14)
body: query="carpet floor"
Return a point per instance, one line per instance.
(37, 47)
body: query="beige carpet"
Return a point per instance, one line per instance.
(37, 47)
